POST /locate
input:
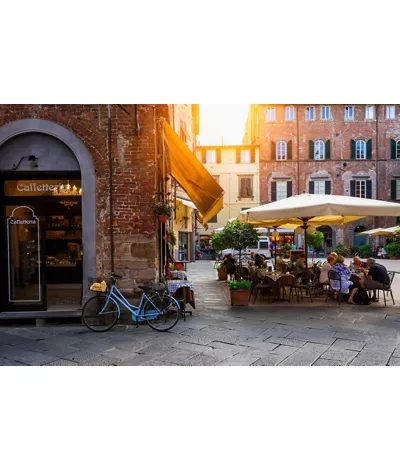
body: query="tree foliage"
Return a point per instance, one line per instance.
(217, 242)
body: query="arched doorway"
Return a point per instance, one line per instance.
(41, 162)
(359, 239)
(328, 238)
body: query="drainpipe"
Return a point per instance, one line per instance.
(110, 170)
(377, 159)
(298, 150)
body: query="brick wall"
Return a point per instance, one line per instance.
(134, 179)
(340, 168)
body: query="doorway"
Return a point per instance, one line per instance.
(41, 243)
(360, 240)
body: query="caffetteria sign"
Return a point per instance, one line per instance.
(35, 187)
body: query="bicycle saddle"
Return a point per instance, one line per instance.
(145, 288)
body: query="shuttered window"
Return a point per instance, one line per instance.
(289, 113)
(361, 188)
(245, 186)
(397, 190)
(310, 113)
(245, 156)
(398, 149)
(319, 187)
(319, 150)
(281, 150)
(325, 112)
(211, 156)
(281, 190)
(361, 150)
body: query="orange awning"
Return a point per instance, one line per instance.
(205, 193)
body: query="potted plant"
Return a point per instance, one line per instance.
(163, 210)
(364, 251)
(221, 270)
(393, 250)
(240, 292)
(172, 238)
(342, 250)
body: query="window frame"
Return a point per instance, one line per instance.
(241, 155)
(397, 149)
(389, 107)
(372, 106)
(319, 183)
(365, 149)
(346, 108)
(330, 113)
(280, 183)
(308, 109)
(251, 178)
(319, 142)
(215, 156)
(287, 108)
(359, 183)
(280, 159)
(267, 112)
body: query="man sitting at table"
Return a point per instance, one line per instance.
(230, 264)
(377, 278)
(300, 266)
(326, 267)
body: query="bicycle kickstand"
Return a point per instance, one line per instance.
(137, 322)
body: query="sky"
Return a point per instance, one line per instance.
(222, 120)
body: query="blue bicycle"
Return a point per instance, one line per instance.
(160, 311)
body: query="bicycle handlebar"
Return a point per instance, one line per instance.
(115, 276)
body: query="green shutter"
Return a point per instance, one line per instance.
(289, 150)
(311, 150)
(369, 149)
(393, 190)
(353, 188)
(393, 149)
(369, 189)
(311, 187)
(289, 189)
(273, 150)
(327, 187)
(352, 149)
(328, 150)
(273, 191)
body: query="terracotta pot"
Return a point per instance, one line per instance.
(222, 276)
(240, 297)
(163, 218)
(393, 257)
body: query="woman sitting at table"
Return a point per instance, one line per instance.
(326, 267)
(258, 260)
(345, 274)
(358, 264)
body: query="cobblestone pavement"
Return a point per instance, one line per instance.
(218, 334)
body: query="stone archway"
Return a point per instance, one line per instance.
(86, 165)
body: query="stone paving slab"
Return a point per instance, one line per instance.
(305, 356)
(348, 344)
(329, 363)
(339, 354)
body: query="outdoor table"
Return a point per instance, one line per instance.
(183, 290)
(179, 275)
(275, 286)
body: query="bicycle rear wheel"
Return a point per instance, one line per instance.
(161, 312)
(100, 313)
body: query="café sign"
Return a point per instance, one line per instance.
(35, 187)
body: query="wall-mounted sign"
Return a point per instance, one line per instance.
(24, 256)
(42, 188)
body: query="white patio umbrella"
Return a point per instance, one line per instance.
(317, 209)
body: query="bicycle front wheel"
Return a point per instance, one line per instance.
(161, 312)
(100, 313)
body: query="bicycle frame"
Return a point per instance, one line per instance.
(135, 312)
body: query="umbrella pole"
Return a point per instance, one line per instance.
(275, 253)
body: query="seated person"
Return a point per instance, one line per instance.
(229, 263)
(345, 274)
(258, 260)
(326, 267)
(300, 266)
(334, 254)
(377, 278)
(358, 264)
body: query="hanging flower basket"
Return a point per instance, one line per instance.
(163, 218)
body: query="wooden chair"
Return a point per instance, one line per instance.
(287, 280)
(305, 285)
(262, 285)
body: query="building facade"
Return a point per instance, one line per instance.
(236, 169)
(78, 184)
(349, 150)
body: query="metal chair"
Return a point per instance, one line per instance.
(287, 280)
(307, 283)
(263, 285)
(391, 275)
(334, 276)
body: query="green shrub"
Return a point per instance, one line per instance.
(236, 285)
(364, 251)
(287, 247)
(218, 267)
(393, 249)
(342, 250)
